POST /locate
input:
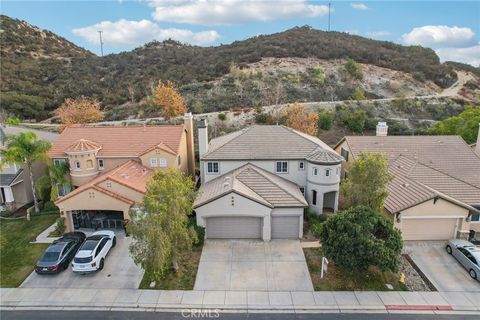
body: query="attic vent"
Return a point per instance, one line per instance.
(226, 185)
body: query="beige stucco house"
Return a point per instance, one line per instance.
(256, 182)
(110, 168)
(15, 184)
(435, 191)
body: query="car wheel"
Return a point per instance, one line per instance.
(473, 274)
(114, 242)
(449, 250)
(100, 267)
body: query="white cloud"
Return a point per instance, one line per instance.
(228, 12)
(359, 6)
(135, 33)
(440, 36)
(378, 33)
(470, 55)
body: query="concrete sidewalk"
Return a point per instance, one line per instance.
(241, 301)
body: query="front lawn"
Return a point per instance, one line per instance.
(17, 254)
(340, 280)
(183, 280)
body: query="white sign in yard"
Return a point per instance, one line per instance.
(324, 267)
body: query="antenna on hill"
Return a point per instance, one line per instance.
(329, 5)
(101, 42)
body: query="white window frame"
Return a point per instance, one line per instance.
(283, 169)
(211, 170)
(57, 162)
(163, 163)
(301, 165)
(315, 171)
(76, 165)
(102, 166)
(328, 172)
(153, 162)
(475, 221)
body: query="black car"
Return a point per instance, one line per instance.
(58, 255)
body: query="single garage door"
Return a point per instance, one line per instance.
(234, 228)
(428, 229)
(285, 227)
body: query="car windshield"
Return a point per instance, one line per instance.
(89, 245)
(50, 256)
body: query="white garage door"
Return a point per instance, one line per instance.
(428, 229)
(234, 228)
(285, 227)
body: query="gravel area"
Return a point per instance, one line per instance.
(413, 280)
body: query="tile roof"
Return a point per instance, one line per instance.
(82, 145)
(424, 167)
(321, 155)
(259, 142)
(130, 174)
(253, 183)
(130, 141)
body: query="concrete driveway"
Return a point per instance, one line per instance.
(442, 269)
(238, 265)
(119, 272)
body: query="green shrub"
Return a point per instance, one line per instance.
(353, 69)
(222, 116)
(356, 120)
(43, 187)
(325, 120)
(359, 94)
(50, 206)
(262, 118)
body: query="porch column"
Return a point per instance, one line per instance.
(68, 220)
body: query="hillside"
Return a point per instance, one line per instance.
(40, 69)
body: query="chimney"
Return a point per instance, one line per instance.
(382, 129)
(202, 137)
(477, 146)
(188, 124)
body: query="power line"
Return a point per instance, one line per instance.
(101, 42)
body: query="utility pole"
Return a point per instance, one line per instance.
(329, 4)
(101, 42)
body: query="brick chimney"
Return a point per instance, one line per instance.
(382, 129)
(188, 123)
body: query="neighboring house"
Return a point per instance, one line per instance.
(110, 167)
(257, 181)
(435, 192)
(15, 185)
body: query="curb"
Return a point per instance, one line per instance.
(418, 307)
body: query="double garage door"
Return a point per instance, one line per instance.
(429, 229)
(251, 227)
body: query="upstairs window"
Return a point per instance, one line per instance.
(315, 171)
(101, 164)
(163, 162)
(281, 167)
(328, 172)
(77, 165)
(301, 165)
(344, 154)
(58, 162)
(212, 167)
(314, 197)
(153, 162)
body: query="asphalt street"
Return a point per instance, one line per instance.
(195, 314)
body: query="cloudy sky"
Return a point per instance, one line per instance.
(451, 28)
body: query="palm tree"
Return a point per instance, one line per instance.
(58, 176)
(25, 148)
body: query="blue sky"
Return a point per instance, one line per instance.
(452, 28)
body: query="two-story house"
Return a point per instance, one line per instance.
(110, 168)
(256, 182)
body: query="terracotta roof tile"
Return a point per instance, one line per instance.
(82, 145)
(129, 141)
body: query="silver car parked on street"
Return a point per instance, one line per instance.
(467, 254)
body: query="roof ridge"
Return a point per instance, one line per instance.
(243, 131)
(269, 179)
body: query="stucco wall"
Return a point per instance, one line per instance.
(294, 173)
(159, 154)
(234, 204)
(122, 190)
